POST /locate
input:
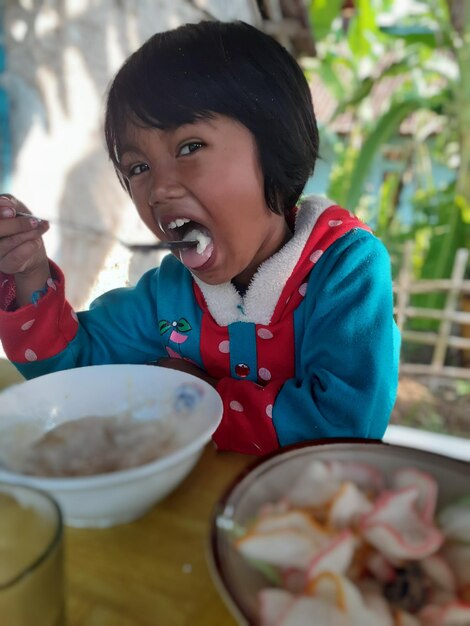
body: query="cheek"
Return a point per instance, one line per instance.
(145, 213)
(233, 176)
(142, 208)
(237, 202)
(245, 179)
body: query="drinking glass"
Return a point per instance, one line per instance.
(31, 558)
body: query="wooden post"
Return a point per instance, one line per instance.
(458, 273)
(404, 281)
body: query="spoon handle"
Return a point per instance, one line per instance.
(133, 247)
(160, 245)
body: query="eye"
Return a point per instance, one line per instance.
(189, 148)
(135, 170)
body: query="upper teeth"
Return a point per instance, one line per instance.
(180, 221)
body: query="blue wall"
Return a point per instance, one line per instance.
(5, 143)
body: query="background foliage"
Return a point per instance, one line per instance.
(423, 48)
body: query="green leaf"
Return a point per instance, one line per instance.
(321, 14)
(330, 77)
(338, 184)
(448, 233)
(387, 203)
(360, 93)
(426, 37)
(363, 29)
(385, 128)
(401, 67)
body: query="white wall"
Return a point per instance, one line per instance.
(61, 55)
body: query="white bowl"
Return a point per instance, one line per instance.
(268, 480)
(30, 409)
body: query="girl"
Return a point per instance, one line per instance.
(285, 307)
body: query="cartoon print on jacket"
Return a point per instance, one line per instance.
(177, 335)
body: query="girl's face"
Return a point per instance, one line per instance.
(204, 181)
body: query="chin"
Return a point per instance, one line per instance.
(212, 278)
(211, 281)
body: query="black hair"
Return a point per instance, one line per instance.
(222, 68)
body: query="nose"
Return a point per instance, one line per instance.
(165, 186)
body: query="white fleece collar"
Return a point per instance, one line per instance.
(227, 306)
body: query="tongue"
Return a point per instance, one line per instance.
(191, 257)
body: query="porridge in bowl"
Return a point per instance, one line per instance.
(97, 445)
(108, 441)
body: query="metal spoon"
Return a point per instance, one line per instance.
(133, 247)
(159, 245)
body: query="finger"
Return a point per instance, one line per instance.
(6, 212)
(7, 201)
(9, 243)
(17, 250)
(7, 197)
(18, 259)
(9, 227)
(8, 205)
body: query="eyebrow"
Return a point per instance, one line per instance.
(128, 147)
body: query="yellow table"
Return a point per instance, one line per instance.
(154, 571)
(8, 374)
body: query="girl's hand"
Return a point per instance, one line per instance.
(185, 366)
(22, 251)
(21, 246)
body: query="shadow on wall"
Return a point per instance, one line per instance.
(99, 206)
(40, 37)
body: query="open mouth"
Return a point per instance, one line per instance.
(179, 227)
(184, 229)
(189, 230)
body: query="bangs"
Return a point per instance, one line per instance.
(155, 88)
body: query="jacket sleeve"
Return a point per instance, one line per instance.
(49, 336)
(348, 370)
(347, 351)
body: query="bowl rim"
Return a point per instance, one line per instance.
(131, 474)
(213, 555)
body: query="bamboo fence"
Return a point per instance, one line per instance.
(454, 322)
